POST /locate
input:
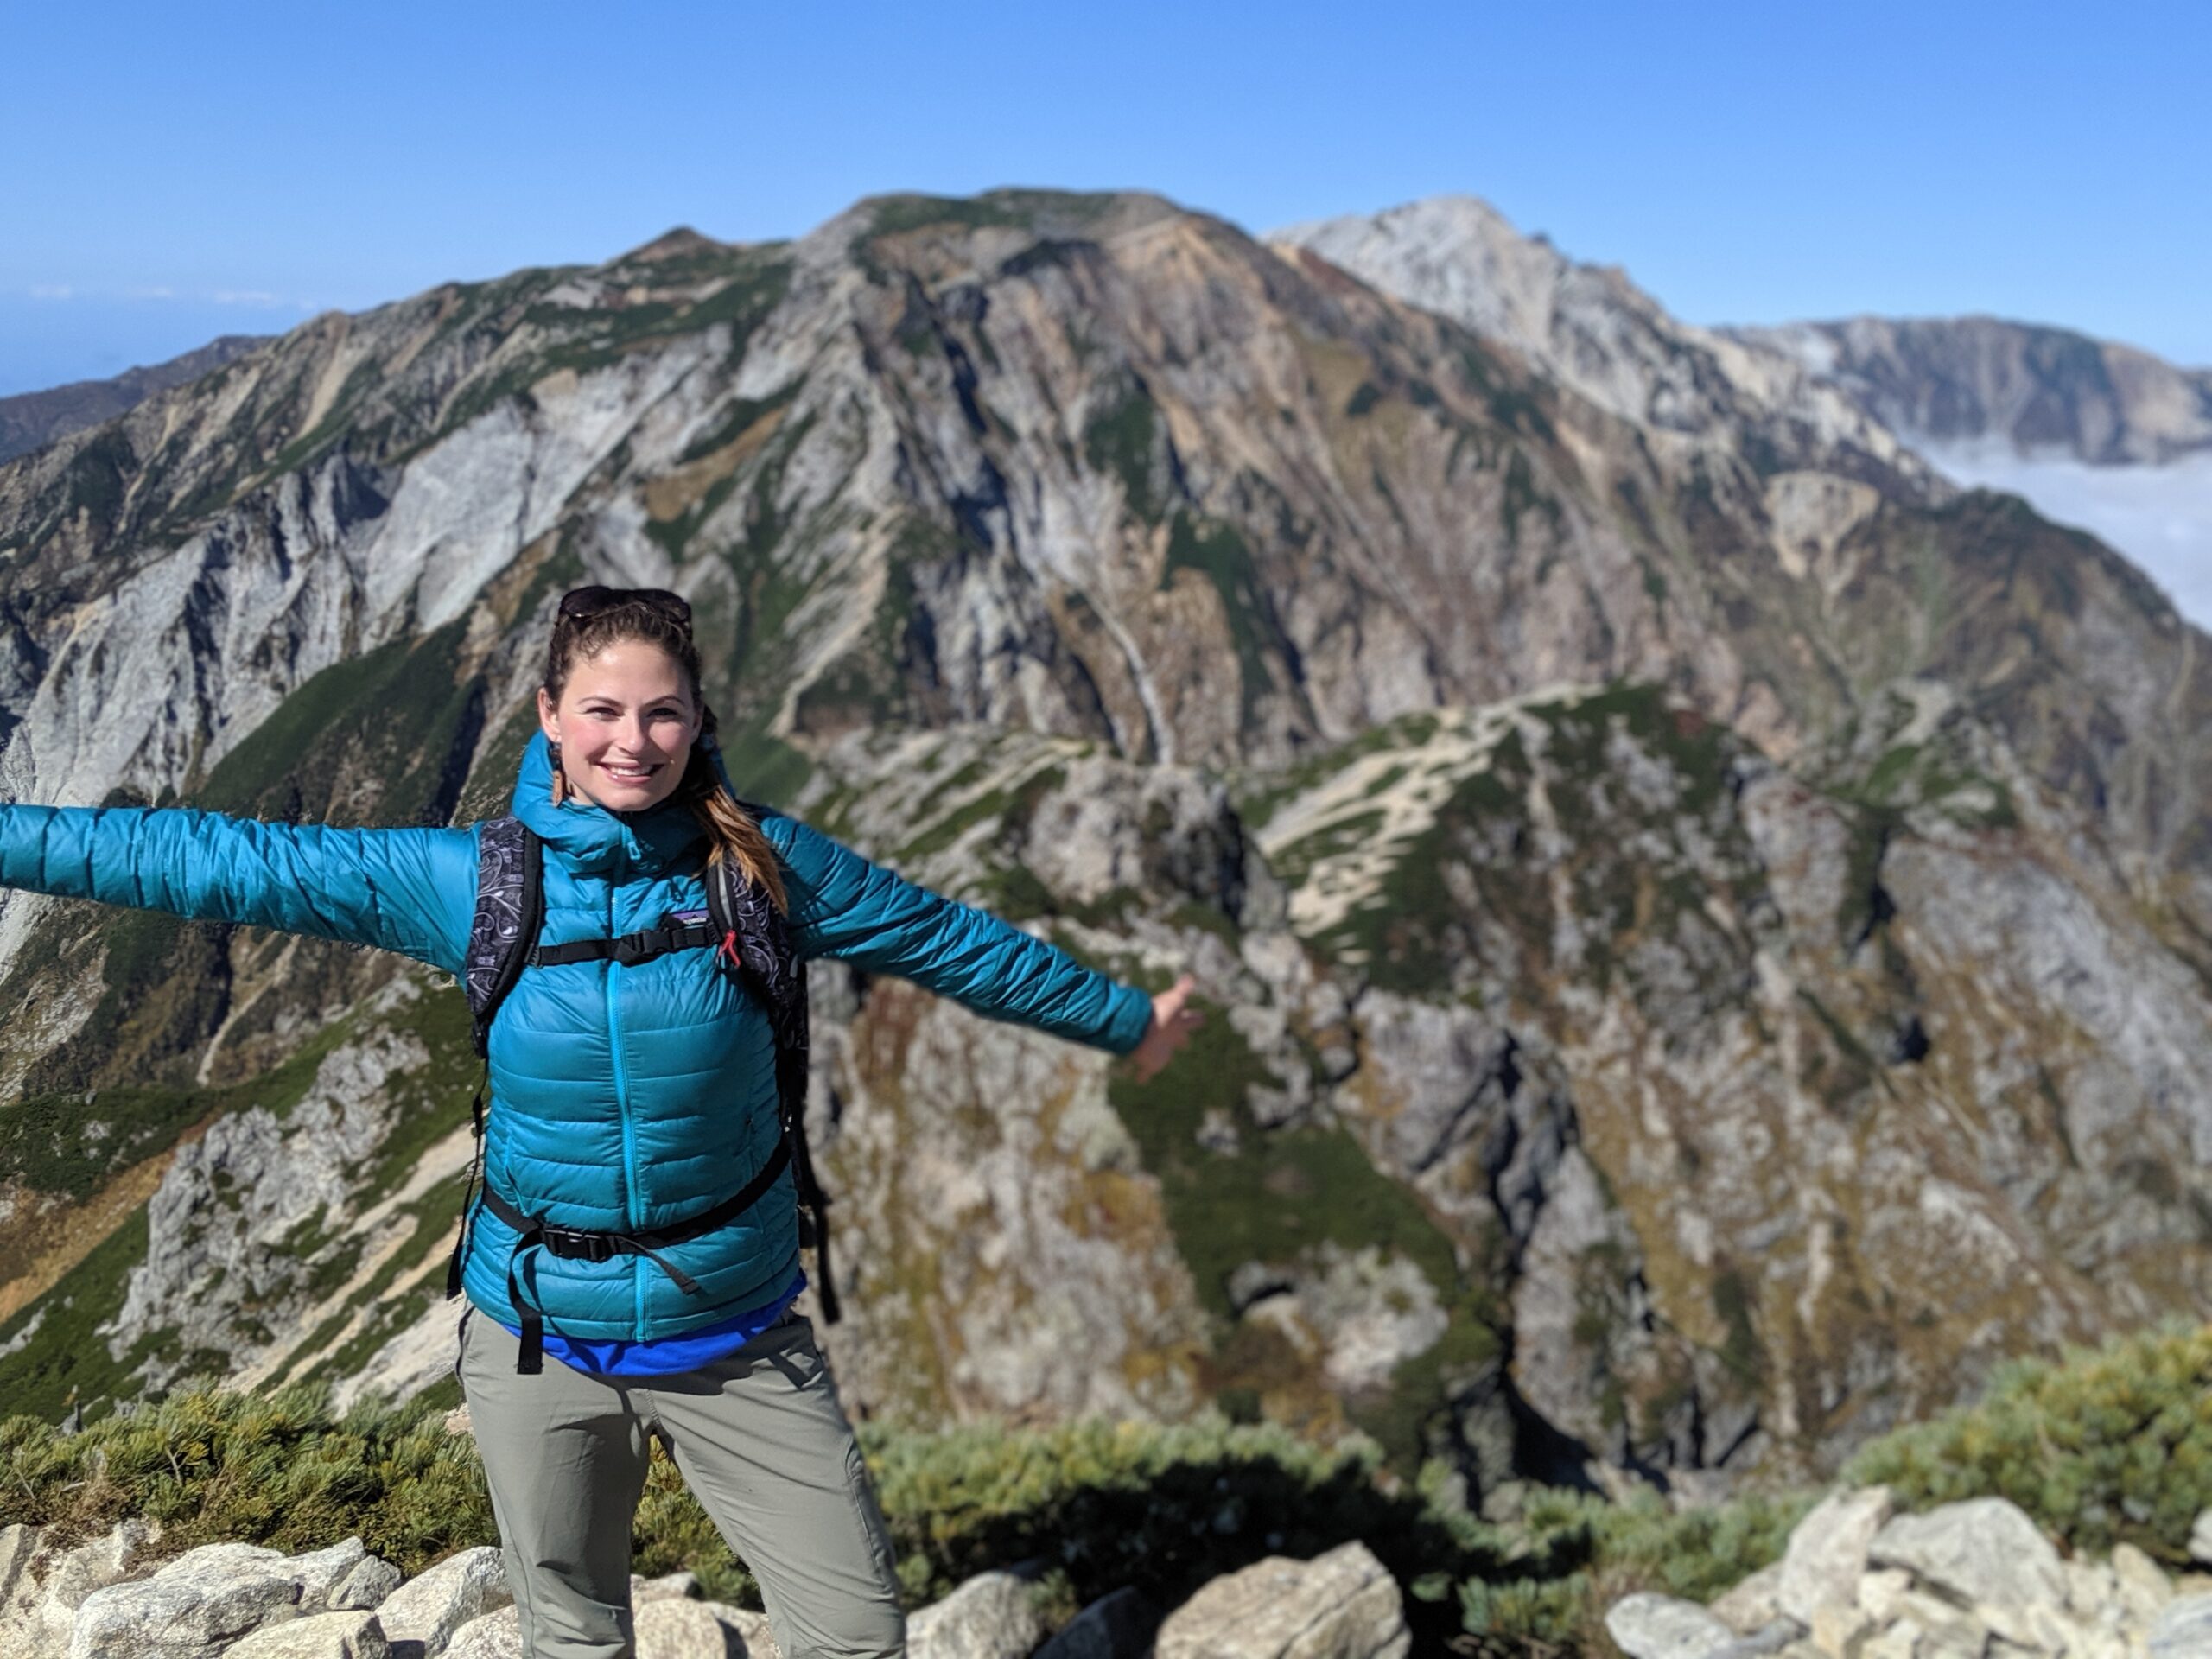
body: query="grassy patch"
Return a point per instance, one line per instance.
(64, 1361)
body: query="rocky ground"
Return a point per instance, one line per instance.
(106, 1600)
(1970, 1580)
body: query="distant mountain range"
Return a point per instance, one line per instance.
(31, 419)
(1709, 921)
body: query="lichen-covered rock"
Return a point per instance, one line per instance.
(364, 1586)
(193, 1608)
(353, 1635)
(1341, 1605)
(1751, 1604)
(1983, 1552)
(1827, 1553)
(45, 1587)
(429, 1607)
(991, 1616)
(2183, 1630)
(1648, 1626)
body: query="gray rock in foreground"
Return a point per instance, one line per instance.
(429, 1608)
(352, 1635)
(2183, 1629)
(1986, 1552)
(1664, 1627)
(992, 1616)
(1343, 1604)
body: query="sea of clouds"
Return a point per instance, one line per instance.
(2159, 517)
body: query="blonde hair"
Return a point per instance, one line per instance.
(656, 619)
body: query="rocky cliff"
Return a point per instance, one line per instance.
(1708, 927)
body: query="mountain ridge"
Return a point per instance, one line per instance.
(1597, 830)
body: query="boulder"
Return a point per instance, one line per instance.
(674, 1628)
(1117, 1626)
(429, 1608)
(1340, 1606)
(2200, 1539)
(194, 1607)
(320, 1573)
(44, 1586)
(489, 1635)
(669, 1625)
(746, 1631)
(1663, 1627)
(354, 1635)
(365, 1586)
(992, 1616)
(1752, 1605)
(2183, 1630)
(1985, 1552)
(1827, 1552)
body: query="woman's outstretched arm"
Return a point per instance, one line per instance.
(843, 907)
(411, 891)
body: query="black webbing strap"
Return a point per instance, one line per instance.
(581, 1244)
(629, 949)
(468, 1191)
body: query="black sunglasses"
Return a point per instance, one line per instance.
(581, 604)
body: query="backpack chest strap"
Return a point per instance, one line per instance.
(630, 949)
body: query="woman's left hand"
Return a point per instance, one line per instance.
(1172, 1024)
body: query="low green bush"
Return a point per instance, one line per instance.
(2110, 1447)
(2106, 1446)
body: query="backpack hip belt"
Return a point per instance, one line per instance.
(584, 1244)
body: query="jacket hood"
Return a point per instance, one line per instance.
(590, 837)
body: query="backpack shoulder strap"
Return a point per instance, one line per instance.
(510, 914)
(756, 947)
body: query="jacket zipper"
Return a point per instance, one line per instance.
(630, 1209)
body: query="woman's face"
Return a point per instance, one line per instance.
(625, 723)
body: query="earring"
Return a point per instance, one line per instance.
(560, 778)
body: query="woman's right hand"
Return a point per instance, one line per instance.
(1171, 1026)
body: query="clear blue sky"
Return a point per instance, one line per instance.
(171, 171)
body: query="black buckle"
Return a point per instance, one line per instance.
(575, 1244)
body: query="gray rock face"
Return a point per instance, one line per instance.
(353, 1635)
(992, 1616)
(194, 1607)
(2200, 1540)
(1340, 1606)
(364, 1586)
(429, 1607)
(42, 1591)
(1826, 1555)
(1987, 1551)
(2183, 1630)
(1663, 1627)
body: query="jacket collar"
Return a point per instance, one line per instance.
(591, 839)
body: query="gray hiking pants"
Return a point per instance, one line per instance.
(761, 1442)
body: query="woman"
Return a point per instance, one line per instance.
(627, 1097)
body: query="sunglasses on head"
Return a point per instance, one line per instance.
(581, 604)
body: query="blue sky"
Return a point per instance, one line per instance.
(168, 173)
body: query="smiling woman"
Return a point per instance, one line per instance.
(632, 1260)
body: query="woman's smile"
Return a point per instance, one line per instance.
(625, 724)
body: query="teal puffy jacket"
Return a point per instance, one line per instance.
(622, 1098)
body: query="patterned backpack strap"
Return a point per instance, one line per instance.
(509, 911)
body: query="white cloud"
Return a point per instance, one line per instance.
(2159, 517)
(51, 290)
